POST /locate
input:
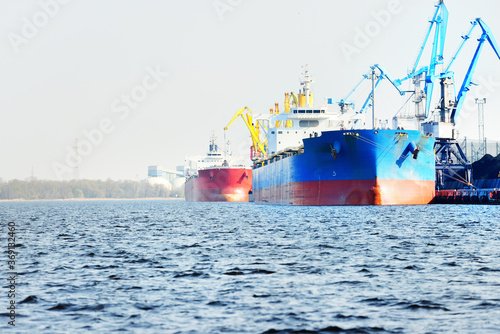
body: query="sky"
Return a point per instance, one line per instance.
(139, 83)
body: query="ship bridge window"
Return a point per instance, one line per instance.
(280, 132)
(309, 111)
(317, 111)
(308, 123)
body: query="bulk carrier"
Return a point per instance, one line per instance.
(218, 177)
(315, 157)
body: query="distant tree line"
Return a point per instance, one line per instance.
(44, 189)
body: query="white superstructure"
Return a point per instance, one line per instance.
(215, 157)
(302, 120)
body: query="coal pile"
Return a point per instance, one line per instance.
(488, 167)
(485, 174)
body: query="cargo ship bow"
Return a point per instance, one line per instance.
(217, 178)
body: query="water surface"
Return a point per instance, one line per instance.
(178, 267)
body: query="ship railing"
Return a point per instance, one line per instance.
(464, 196)
(189, 177)
(288, 152)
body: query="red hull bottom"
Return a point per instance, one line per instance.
(220, 185)
(348, 192)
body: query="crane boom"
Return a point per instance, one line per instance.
(254, 133)
(439, 22)
(487, 35)
(465, 39)
(384, 74)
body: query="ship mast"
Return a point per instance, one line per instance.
(373, 98)
(307, 81)
(226, 148)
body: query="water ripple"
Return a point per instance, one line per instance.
(177, 267)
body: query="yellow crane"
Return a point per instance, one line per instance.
(258, 145)
(288, 97)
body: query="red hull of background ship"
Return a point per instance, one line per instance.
(230, 184)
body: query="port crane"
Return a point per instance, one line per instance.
(258, 147)
(427, 74)
(486, 35)
(450, 158)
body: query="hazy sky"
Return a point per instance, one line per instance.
(145, 82)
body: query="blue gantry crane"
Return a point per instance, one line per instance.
(427, 74)
(450, 159)
(486, 35)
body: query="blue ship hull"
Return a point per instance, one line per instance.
(362, 167)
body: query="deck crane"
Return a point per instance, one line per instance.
(345, 104)
(369, 102)
(258, 147)
(384, 74)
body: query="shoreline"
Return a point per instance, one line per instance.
(94, 199)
